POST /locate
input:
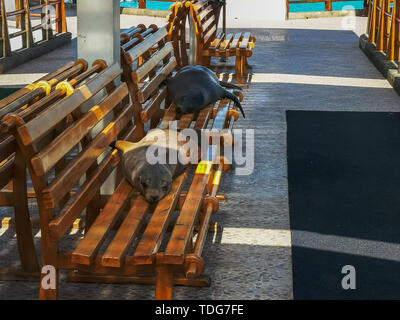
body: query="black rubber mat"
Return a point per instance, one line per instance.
(344, 202)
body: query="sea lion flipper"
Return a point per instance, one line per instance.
(235, 100)
(229, 85)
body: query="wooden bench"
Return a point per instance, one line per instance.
(128, 240)
(27, 103)
(210, 43)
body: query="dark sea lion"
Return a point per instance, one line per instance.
(195, 87)
(154, 180)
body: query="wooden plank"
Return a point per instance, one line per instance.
(210, 36)
(203, 118)
(127, 232)
(76, 168)
(185, 120)
(234, 44)
(217, 42)
(48, 119)
(154, 106)
(151, 86)
(8, 146)
(147, 44)
(245, 40)
(91, 243)
(141, 72)
(168, 116)
(183, 230)
(6, 172)
(80, 199)
(153, 235)
(59, 147)
(225, 44)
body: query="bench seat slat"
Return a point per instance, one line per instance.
(126, 233)
(60, 146)
(185, 120)
(183, 228)
(235, 42)
(203, 118)
(168, 116)
(48, 119)
(76, 168)
(245, 40)
(152, 237)
(94, 238)
(217, 42)
(226, 43)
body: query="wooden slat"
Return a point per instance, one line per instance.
(245, 40)
(48, 157)
(220, 118)
(208, 38)
(233, 45)
(127, 232)
(225, 44)
(43, 123)
(168, 116)
(203, 118)
(91, 243)
(205, 12)
(141, 72)
(185, 120)
(6, 172)
(76, 168)
(217, 42)
(207, 26)
(80, 199)
(181, 235)
(147, 44)
(8, 145)
(151, 86)
(153, 235)
(154, 106)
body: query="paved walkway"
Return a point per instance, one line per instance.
(301, 64)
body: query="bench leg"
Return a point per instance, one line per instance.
(164, 283)
(49, 277)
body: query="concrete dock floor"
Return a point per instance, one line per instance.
(310, 64)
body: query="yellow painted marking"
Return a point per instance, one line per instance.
(30, 86)
(5, 223)
(45, 85)
(76, 224)
(65, 87)
(217, 178)
(204, 167)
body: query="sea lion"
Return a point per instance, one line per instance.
(154, 180)
(193, 88)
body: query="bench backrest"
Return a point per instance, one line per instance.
(30, 101)
(64, 156)
(205, 19)
(146, 64)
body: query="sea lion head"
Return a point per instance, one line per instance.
(154, 182)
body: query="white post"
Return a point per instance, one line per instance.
(99, 38)
(98, 30)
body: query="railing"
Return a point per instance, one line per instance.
(23, 14)
(328, 4)
(383, 27)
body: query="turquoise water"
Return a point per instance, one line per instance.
(301, 7)
(320, 6)
(158, 5)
